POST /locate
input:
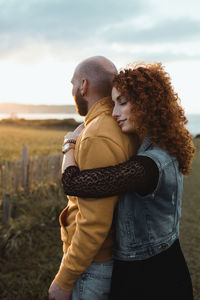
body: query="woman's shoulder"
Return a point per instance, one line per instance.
(161, 156)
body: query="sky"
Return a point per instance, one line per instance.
(42, 41)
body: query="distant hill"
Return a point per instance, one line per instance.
(12, 108)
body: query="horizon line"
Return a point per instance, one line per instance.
(29, 104)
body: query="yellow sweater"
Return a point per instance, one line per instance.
(86, 225)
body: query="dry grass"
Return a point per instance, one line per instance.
(42, 137)
(39, 141)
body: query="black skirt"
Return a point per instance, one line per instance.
(162, 277)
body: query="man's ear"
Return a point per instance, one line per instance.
(84, 86)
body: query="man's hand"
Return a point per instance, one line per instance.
(56, 293)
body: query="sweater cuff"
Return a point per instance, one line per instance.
(65, 278)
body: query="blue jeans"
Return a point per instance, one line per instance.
(94, 283)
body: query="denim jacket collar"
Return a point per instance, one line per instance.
(145, 144)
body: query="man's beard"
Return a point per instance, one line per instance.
(81, 104)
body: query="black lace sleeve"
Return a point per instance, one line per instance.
(140, 174)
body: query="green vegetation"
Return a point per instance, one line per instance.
(30, 248)
(47, 123)
(190, 222)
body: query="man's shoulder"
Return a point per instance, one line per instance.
(106, 127)
(103, 126)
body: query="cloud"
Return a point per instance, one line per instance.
(63, 19)
(165, 53)
(29, 30)
(51, 25)
(184, 29)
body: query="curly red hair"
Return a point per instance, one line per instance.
(149, 89)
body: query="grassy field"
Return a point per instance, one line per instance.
(30, 249)
(41, 137)
(190, 222)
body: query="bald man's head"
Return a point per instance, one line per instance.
(99, 71)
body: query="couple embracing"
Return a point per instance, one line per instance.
(123, 174)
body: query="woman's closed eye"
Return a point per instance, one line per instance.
(123, 103)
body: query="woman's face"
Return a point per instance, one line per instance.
(122, 111)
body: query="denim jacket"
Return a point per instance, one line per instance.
(148, 225)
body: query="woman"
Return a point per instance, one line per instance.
(149, 263)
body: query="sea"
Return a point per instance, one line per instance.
(193, 119)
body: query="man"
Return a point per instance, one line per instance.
(86, 226)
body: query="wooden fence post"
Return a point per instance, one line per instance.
(7, 207)
(26, 173)
(2, 187)
(6, 177)
(30, 165)
(24, 167)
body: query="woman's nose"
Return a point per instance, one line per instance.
(115, 112)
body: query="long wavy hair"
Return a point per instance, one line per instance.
(157, 107)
